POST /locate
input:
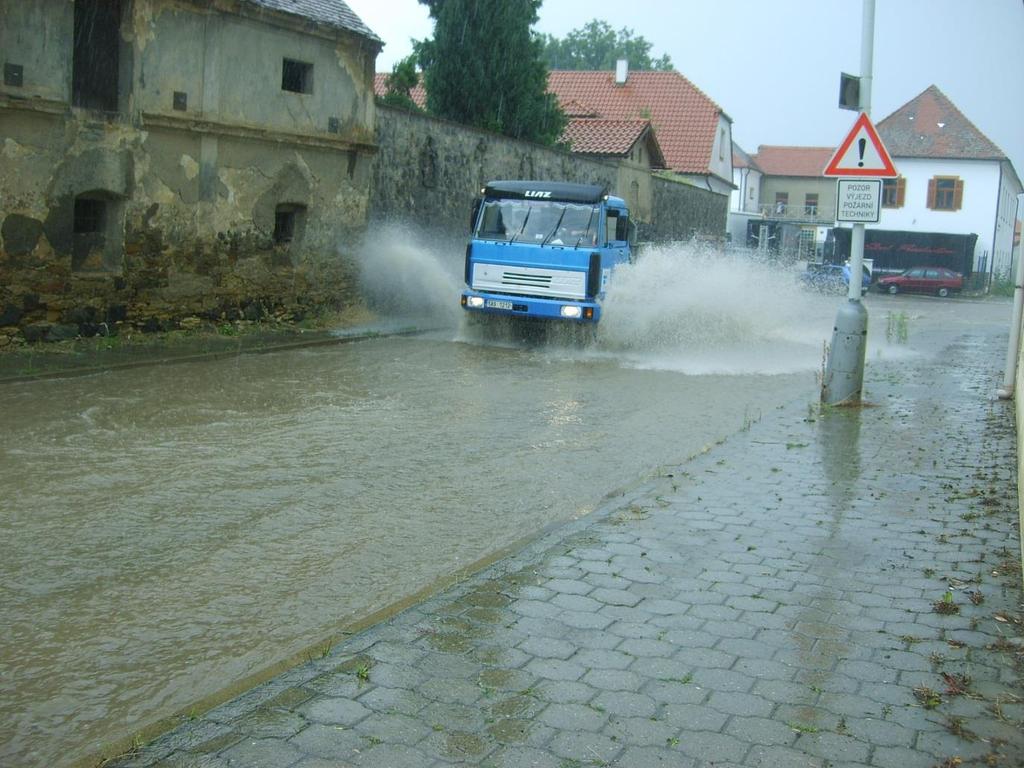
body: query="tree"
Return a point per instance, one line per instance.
(483, 68)
(400, 82)
(596, 46)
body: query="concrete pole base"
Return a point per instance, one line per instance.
(844, 370)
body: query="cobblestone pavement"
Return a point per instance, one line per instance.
(835, 588)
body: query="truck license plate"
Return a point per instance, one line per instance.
(498, 304)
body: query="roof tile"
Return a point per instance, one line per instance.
(609, 137)
(333, 13)
(930, 125)
(685, 120)
(418, 94)
(793, 161)
(740, 158)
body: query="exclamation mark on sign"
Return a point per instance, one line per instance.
(861, 146)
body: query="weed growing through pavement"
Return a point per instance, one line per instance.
(946, 606)
(326, 650)
(955, 725)
(926, 697)
(956, 684)
(802, 728)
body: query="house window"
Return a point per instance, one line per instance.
(894, 192)
(811, 204)
(296, 76)
(89, 215)
(96, 45)
(287, 222)
(781, 201)
(945, 193)
(721, 144)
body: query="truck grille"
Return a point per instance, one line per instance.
(533, 281)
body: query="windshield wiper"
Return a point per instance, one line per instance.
(587, 231)
(554, 228)
(526, 218)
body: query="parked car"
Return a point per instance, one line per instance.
(937, 280)
(832, 278)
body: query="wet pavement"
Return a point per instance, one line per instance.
(837, 588)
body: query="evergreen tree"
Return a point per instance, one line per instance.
(596, 46)
(483, 68)
(400, 82)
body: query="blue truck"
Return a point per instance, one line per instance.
(544, 250)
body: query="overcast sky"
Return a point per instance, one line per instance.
(773, 65)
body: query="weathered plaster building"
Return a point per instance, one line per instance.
(171, 158)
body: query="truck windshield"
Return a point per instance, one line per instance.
(539, 221)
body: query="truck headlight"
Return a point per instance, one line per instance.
(571, 310)
(474, 301)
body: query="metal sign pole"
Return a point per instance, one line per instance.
(844, 371)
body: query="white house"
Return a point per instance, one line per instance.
(952, 179)
(746, 178)
(744, 201)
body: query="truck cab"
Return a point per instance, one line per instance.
(544, 250)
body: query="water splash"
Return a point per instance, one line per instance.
(679, 307)
(698, 310)
(406, 274)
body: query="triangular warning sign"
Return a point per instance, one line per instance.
(862, 153)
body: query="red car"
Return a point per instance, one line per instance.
(937, 280)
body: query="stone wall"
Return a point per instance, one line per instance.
(428, 171)
(682, 211)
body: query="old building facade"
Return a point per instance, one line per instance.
(163, 159)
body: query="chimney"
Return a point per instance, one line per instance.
(621, 71)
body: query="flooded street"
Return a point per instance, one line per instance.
(169, 531)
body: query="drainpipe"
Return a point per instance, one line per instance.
(1010, 374)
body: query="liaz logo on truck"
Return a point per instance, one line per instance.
(544, 250)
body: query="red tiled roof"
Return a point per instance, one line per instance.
(685, 120)
(418, 93)
(793, 161)
(610, 137)
(573, 108)
(740, 159)
(930, 125)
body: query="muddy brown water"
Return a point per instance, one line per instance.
(168, 531)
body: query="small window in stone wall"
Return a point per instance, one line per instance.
(97, 228)
(288, 219)
(296, 76)
(89, 215)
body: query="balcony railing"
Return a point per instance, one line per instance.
(795, 212)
